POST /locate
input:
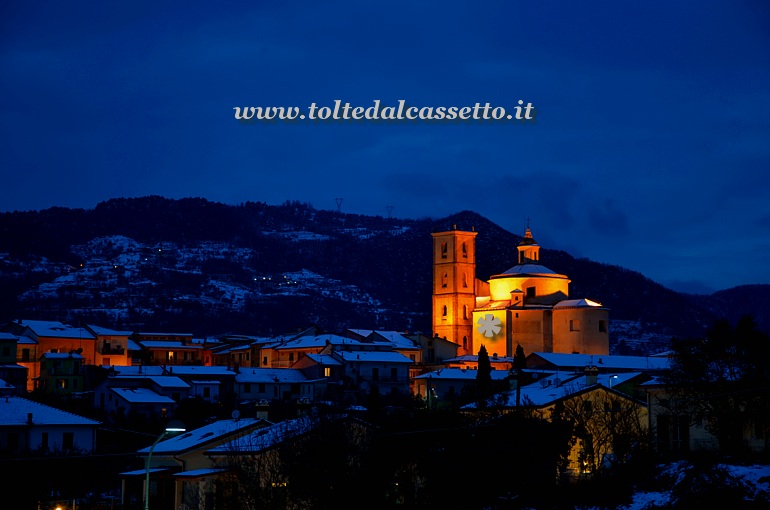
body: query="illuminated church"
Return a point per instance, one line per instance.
(528, 304)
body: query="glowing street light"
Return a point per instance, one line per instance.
(173, 427)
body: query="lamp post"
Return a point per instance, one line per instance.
(174, 426)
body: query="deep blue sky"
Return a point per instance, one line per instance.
(650, 148)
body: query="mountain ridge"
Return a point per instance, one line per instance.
(159, 262)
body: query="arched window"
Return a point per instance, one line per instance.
(445, 280)
(465, 342)
(465, 280)
(444, 249)
(445, 311)
(465, 251)
(465, 311)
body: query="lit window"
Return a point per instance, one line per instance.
(445, 311)
(327, 372)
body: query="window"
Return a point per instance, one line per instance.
(465, 251)
(25, 355)
(291, 356)
(6, 351)
(327, 371)
(68, 441)
(264, 361)
(261, 387)
(393, 374)
(106, 361)
(247, 387)
(465, 280)
(61, 384)
(465, 311)
(206, 392)
(465, 342)
(445, 311)
(376, 374)
(445, 280)
(602, 326)
(574, 325)
(444, 249)
(530, 292)
(587, 406)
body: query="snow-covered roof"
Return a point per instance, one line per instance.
(8, 336)
(396, 338)
(108, 332)
(312, 341)
(61, 355)
(141, 396)
(168, 344)
(169, 381)
(463, 374)
(15, 411)
(323, 359)
(577, 303)
(270, 375)
(373, 356)
(207, 434)
(57, 329)
(603, 362)
(548, 390)
(148, 370)
(195, 473)
(266, 437)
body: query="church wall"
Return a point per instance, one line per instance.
(531, 329)
(579, 330)
(490, 329)
(501, 288)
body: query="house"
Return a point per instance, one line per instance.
(445, 385)
(27, 426)
(435, 350)
(169, 348)
(13, 375)
(180, 473)
(113, 347)
(37, 337)
(61, 374)
(591, 402)
(363, 370)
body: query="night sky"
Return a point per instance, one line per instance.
(649, 147)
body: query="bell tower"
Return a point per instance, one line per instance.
(529, 250)
(454, 281)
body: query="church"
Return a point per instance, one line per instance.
(527, 304)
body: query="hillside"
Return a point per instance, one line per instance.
(210, 268)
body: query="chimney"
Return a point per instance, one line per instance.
(592, 374)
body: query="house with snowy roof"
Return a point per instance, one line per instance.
(61, 374)
(113, 347)
(180, 473)
(364, 369)
(598, 406)
(285, 352)
(13, 375)
(27, 426)
(37, 337)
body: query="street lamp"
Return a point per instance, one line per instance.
(173, 427)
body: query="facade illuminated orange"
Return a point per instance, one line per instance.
(528, 304)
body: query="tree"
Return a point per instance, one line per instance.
(484, 375)
(722, 379)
